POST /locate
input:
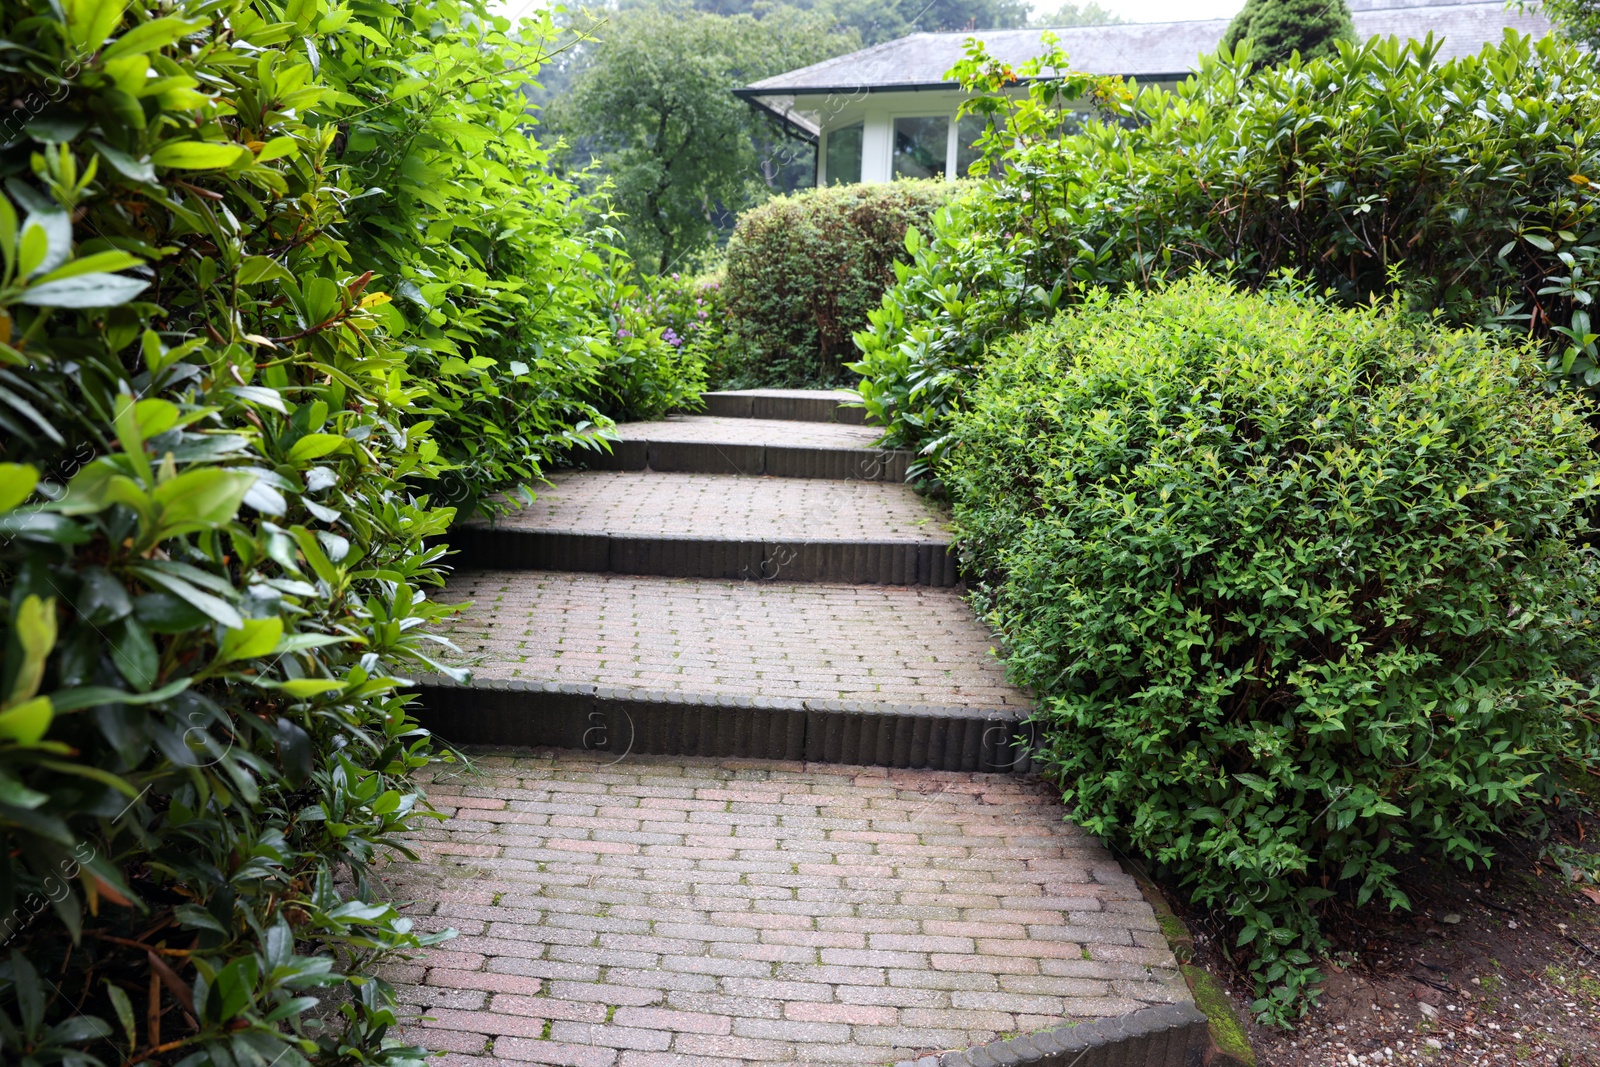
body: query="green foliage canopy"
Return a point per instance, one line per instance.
(1577, 19)
(512, 299)
(675, 143)
(1466, 187)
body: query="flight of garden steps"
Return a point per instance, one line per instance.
(757, 581)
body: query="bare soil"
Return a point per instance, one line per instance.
(1496, 967)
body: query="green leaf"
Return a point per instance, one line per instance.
(253, 639)
(84, 291)
(124, 1009)
(46, 242)
(27, 722)
(139, 170)
(151, 36)
(134, 654)
(35, 633)
(94, 696)
(198, 155)
(16, 484)
(90, 22)
(278, 148)
(213, 607)
(303, 687)
(100, 261)
(315, 446)
(256, 269)
(201, 499)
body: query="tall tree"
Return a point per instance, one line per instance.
(654, 108)
(1279, 28)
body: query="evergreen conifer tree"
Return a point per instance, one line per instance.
(1279, 28)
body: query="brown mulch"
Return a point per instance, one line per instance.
(1490, 967)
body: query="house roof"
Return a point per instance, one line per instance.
(1148, 51)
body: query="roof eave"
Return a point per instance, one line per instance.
(751, 92)
(753, 99)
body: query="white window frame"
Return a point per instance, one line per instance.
(950, 144)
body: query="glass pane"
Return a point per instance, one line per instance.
(968, 130)
(844, 155)
(920, 146)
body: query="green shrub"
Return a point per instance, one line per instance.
(514, 307)
(213, 423)
(804, 270)
(1299, 589)
(691, 316)
(1464, 187)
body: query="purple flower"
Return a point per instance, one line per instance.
(671, 338)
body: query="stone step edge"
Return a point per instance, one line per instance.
(883, 562)
(624, 721)
(736, 405)
(1171, 1035)
(778, 461)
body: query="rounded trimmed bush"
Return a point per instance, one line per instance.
(1300, 590)
(804, 270)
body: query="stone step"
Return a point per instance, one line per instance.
(710, 444)
(681, 525)
(708, 913)
(798, 405)
(832, 673)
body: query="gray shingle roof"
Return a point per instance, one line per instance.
(1148, 51)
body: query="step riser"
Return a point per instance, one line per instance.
(851, 562)
(694, 457)
(790, 409)
(535, 715)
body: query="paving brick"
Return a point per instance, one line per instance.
(554, 1052)
(735, 956)
(638, 633)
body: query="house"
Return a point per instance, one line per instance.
(889, 111)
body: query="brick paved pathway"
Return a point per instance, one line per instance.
(895, 645)
(715, 429)
(627, 910)
(667, 911)
(732, 507)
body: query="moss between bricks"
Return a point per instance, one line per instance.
(1230, 1047)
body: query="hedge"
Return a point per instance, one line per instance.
(803, 271)
(1301, 591)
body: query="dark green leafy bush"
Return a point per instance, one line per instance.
(804, 270)
(1277, 29)
(1300, 590)
(1465, 187)
(214, 419)
(518, 313)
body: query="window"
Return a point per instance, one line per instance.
(843, 160)
(921, 146)
(968, 130)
